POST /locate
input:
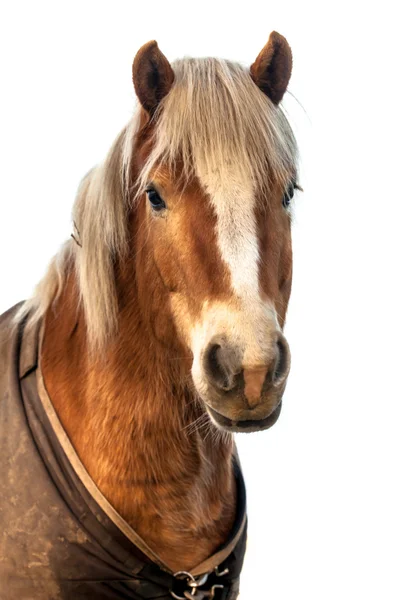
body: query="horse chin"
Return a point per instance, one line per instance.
(245, 425)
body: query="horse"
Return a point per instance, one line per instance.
(155, 334)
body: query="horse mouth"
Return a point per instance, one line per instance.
(245, 426)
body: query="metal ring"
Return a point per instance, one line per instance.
(183, 574)
(191, 582)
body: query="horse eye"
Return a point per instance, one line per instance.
(157, 203)
(288, 195)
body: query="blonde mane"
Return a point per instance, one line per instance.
(215, 120)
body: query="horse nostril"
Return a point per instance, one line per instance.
(282, 364)
(224, 369)
(215, 368)
(212, 360)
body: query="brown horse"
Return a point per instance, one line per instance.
(161, 320)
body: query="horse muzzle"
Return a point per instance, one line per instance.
(244, 398)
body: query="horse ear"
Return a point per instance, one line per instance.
(272, 68)
(152, 76)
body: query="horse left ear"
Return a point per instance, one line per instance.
(272, 68)
(152, 76)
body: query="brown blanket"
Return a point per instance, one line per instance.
(59, 537)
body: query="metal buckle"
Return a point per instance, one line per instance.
(191, 582)
(195, 583)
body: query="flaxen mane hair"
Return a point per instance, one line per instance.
(218, 123)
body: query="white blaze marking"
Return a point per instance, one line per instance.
(249, 322)
(234, 204)
(238, 241)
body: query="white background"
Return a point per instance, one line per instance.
(323, 489)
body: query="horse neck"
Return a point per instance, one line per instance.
(131, 419)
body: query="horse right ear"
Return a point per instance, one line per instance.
(272, 68)
(152, 76)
